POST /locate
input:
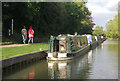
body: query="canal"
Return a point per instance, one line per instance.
(99, 63)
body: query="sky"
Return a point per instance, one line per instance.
(102, 11)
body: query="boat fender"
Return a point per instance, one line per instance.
(55, 54)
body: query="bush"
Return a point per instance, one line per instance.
(6, 43)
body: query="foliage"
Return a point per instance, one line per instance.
(98, 31)
(47, 18)
(20, 50)
(112, 28)
(6, 43)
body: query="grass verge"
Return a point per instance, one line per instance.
(20, 50)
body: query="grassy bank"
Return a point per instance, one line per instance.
(19, 50)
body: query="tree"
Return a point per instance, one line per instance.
(112, 28)
(98, 31)
(47, 18)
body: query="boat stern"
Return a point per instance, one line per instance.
(57, 55)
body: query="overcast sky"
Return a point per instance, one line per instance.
(102, 10)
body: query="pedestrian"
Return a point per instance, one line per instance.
(31, 35)
(24, 34)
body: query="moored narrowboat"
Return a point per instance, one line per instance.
(63, 47)
(92, 40)
(99, 40)
(103, 38)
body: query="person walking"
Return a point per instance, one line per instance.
(31, 35)
(24, 34)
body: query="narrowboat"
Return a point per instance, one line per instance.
(103, 38)
(92, 40)
(64, 47)
(99, 40)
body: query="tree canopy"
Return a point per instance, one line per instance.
(98, 31)
(47, 18)
(112, 28)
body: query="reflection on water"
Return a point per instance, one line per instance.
(90, 57)
(102, 46)
(71, 69)
(58, 70)
(31, 74)
(99, 63)
(105, 65)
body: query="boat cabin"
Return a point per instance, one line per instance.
(67, 43)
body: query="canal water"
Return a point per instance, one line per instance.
(99, 63)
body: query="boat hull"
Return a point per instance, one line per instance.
(71, 55)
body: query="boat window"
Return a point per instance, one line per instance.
(80, 42)
(62, 44)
